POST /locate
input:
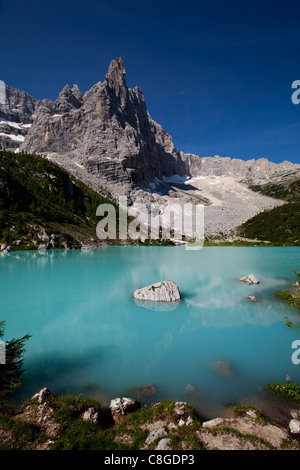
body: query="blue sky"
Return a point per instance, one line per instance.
(216, 75)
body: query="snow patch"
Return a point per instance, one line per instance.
(176, 179)
(10, 123)
(17, 138)
(16, 125)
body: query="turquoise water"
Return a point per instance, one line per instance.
(90, 337)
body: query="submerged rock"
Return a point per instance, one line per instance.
(157, 306)
(223, 368)
(251, 279)
(252, 298)
(143, 393)
(164, 291)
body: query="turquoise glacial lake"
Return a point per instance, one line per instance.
(90, 337)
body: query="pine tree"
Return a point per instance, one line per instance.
(11, 370)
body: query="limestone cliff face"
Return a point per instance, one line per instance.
(108, 131)
(251, 171)
(17, 111)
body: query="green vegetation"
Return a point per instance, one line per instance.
(11, 371)
(38, 196)
(286, 390)
(241, 410)
(281, 225)
(292, 298)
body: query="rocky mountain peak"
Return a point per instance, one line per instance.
(116, 83)
(76, 92)
(116, 73)
(68, 99)
(109, 132)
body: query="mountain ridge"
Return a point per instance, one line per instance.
(107, 139)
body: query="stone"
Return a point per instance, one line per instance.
(171, 426)
(251, 279)
(90, 414)
(190, 388)
(153, 435)
(189, 421)
(294, 426)
(144, 392)
(251, 413)
(295, 413)
(42, 394)
(223, 368)
(164, 291)
(164, 444)
(7, 248)
(212, 423)
(121, 406)
(45, 246)
(179, 408)
(252, 298)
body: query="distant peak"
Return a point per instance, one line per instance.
(68, 99)
(76, 92)
(116, 73)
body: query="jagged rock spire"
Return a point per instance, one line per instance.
(67, 99)
(76, 92)
(115, 80)
(116, 73)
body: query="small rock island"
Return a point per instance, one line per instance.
(163, 291)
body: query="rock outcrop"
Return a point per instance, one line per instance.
(17, 112)
(120, 407)
(55, 423)
(108, 131)
(164, 291)
(251, 279)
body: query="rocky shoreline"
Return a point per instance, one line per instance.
(70, 423)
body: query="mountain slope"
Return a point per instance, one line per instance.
(39, 199)
(281, 225)
(17, 112)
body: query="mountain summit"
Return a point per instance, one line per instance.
(108, 132)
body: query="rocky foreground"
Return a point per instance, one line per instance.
(64, 423)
